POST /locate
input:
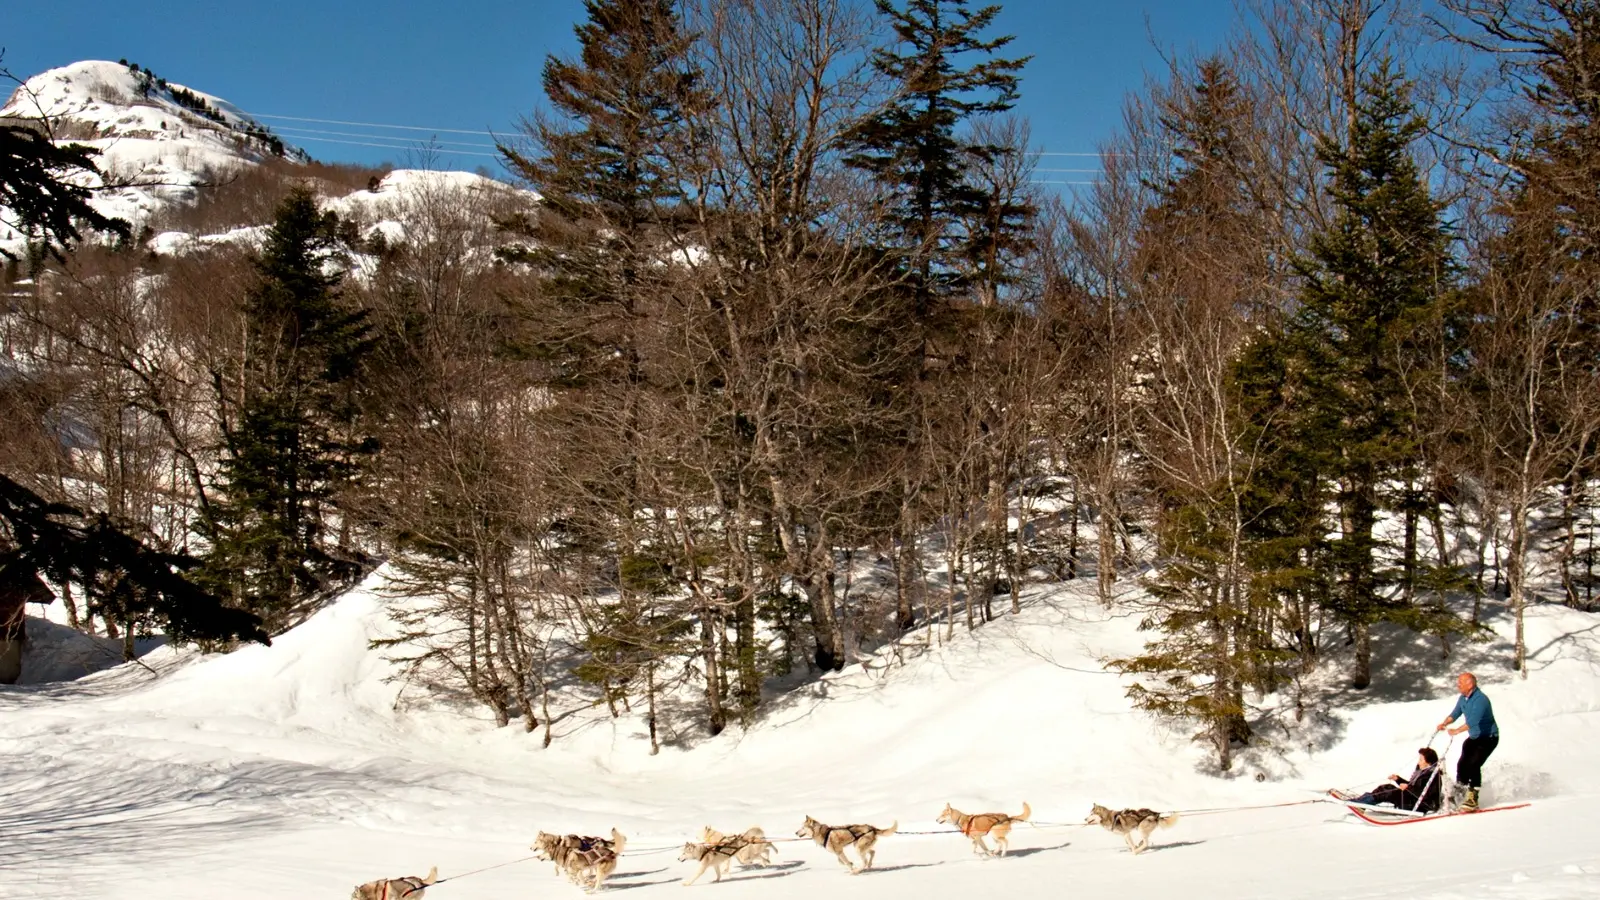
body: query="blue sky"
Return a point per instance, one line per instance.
(474, 64)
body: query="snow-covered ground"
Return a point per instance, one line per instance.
(300, 770)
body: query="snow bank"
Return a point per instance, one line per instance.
(307, 763)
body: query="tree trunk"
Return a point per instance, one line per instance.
(71, 606)
(1516, 571)
(1108, 555)
(811, 564)
(904, 588)
(1408, 557)
(748, 663)
(1072, 535)
(716, 716)
(1361, 678)
(1570, 500)
(650, 706)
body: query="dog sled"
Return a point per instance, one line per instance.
(1389, 815)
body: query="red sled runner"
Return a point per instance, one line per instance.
(1388, 815)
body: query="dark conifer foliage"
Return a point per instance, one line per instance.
(915, 147)
(289, 450)
(41, 185)
(125, 580)
(1371, 279)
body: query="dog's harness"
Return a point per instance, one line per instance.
(856, 832)
(730, 846)
(970, 822)
(1132, 817)
(412, 883)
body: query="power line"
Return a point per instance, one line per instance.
(487, 133)
(420, 147)
(298, 134)
(370, 124)
(382, 137)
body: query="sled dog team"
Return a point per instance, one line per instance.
(589, 861)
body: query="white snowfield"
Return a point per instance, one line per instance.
(301, 770)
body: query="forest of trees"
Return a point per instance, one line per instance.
(796, 355)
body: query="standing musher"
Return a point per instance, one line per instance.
(1483, 735)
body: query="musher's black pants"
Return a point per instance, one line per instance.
(1469, 768)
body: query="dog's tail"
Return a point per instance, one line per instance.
(433, 875)
(1026, 812)
(1169, 820)
(890, 829)
(619, 840)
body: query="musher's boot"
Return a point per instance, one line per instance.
(1471, 803)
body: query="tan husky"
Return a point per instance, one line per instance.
(837, 838)
(410, 887)
(1128, 822)
(752, 845)
(582, 859)
(715, 857)
(976, 826)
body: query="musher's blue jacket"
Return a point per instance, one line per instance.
(1475, 708)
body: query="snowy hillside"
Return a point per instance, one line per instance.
(163, 145)
(157, 147)
(304, 767)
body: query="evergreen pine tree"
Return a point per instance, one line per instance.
(1380, 268)
(125, 580)
(41, 189)
(605, 171)
(1211, 585)
(944, 233)
(606, 164)
(287, 452)
(913, 147)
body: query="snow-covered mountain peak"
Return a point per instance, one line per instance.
(96, 100)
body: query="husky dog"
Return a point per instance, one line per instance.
(582, 859)
(1128, 822)
(977, 826)
(410, 887)
(753, 847)
(837, 838)
(715, 857)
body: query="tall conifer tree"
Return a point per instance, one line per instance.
(607, 164)
(284, 459)
(1379, 270)
(914, 146)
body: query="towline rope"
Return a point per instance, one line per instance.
(484, 869)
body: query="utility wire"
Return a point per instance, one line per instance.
(394, 147)
(488, 133)
(372, 124)
(357, 134)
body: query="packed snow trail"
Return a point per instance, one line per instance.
(302, 769)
